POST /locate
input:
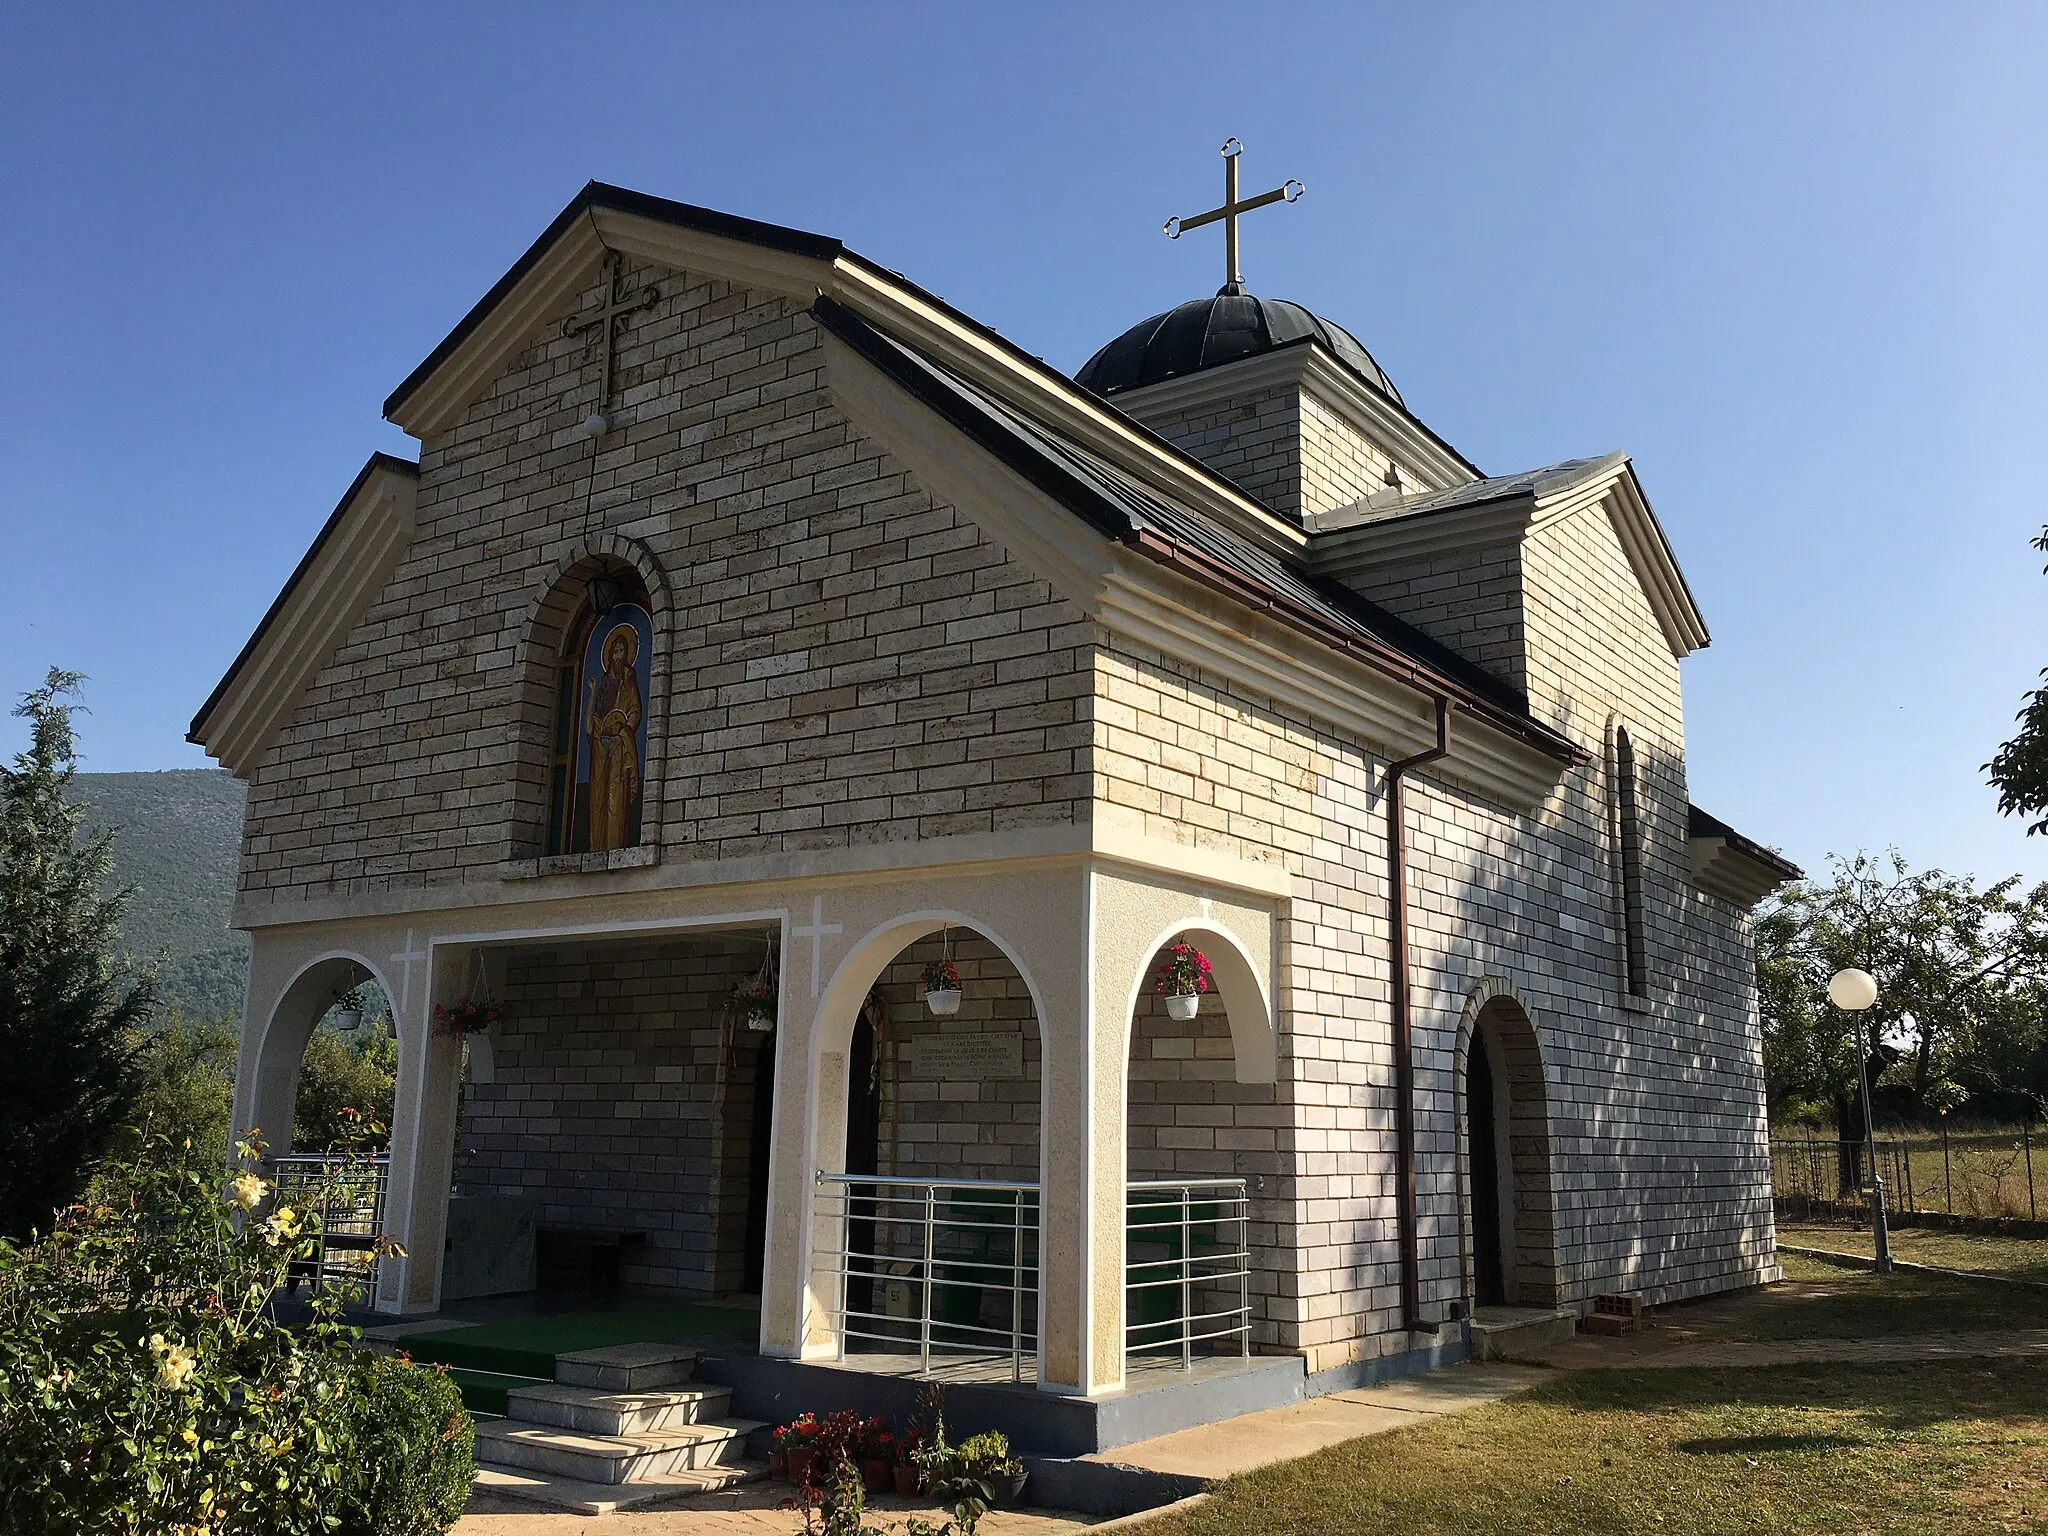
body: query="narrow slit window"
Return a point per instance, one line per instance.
(1629, 824)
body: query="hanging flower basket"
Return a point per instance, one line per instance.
(941, 987)
(753, 1002)
(348, 1010)
(1182, 980)
(466, 1016)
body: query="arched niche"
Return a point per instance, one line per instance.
(1524, 1200)
(1254, 1035)
(555, 608)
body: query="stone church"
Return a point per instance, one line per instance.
(760, 644)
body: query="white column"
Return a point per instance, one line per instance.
(423, 1143)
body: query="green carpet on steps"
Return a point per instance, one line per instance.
(529, 1347)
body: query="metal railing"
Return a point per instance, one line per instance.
(1187, 1268)
(348, 1194)
(946, 1266)
(949, 1267)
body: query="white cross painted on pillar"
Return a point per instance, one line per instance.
(1206, 912)
(405, 958)
(816, 933)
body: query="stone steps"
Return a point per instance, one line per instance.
(627, 1367)
(1510, 1333)
(611, 1459)
(596, 1411)
(582, 1498)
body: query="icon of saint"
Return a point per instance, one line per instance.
(614, 727)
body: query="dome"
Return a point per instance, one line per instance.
(1203, 333)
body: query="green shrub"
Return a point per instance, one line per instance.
(146, 1390)
(415, 1450)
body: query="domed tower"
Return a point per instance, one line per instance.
(1280, 400)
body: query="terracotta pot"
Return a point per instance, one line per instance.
(906, 1481)
(778, 1464)
(800, 1463)
(876, 1473)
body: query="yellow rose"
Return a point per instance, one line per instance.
(247, 1192)
(175, 1365)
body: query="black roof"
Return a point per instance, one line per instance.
(1205, 333)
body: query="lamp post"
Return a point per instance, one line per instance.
(1853, 992)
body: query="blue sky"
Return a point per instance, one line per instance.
(1791, 258)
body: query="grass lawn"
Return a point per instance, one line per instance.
(2024, 1258)
(1951, 1447)
(1826, 1301)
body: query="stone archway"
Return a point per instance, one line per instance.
(1509, 1203)
(266, 1099)
(928, 1129)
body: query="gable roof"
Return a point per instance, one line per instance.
(1504, 509)
(1121, 507)
(334, 582)
(1731, 866)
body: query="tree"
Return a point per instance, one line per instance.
(187, 1086)
(2020, 770)
(346, 1079)
(1961, 977)
(67, 1011)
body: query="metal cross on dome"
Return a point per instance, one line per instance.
(618, 303)
(1286, 192)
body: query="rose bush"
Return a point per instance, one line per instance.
(148, 1388)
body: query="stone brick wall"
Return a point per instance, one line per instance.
(849, 661)
(1281, 444)
(1655, 1115)
(622, 1101)
(954, 1128)
(1471, 600)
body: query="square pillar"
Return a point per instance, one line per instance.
(423, 1142)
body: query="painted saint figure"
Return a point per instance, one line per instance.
(613, 724)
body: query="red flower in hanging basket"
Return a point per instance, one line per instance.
(466, 1016)
(939, 976)
(1186, 972)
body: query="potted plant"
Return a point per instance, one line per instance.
(1183, 980)
(797, 1443)
(877, 1455)
(941, 987)
(905, 1471)
(985, 1459)
(348, 1010)
(753, 1001)
(466, 1016)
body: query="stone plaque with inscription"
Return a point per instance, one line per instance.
(978, 1058)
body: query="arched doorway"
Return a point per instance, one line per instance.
(1511, 1227)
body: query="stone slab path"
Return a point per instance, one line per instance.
(1299, 1429)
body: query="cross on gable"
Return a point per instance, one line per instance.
(618, 302)
(1286, 192)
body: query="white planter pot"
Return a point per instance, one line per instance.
(346, 1019)
(761, 1023)
(1183, 1005)
(943, 1001)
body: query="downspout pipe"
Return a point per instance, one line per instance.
(1406, 1212)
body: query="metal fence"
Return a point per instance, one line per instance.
(945, 1267)
(347, 1193)
(1980, 1174)
(1187, 1268)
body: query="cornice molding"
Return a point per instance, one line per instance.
(1721, 868)
(348, 566)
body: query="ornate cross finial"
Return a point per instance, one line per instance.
(1287, 192)
(618, 303)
